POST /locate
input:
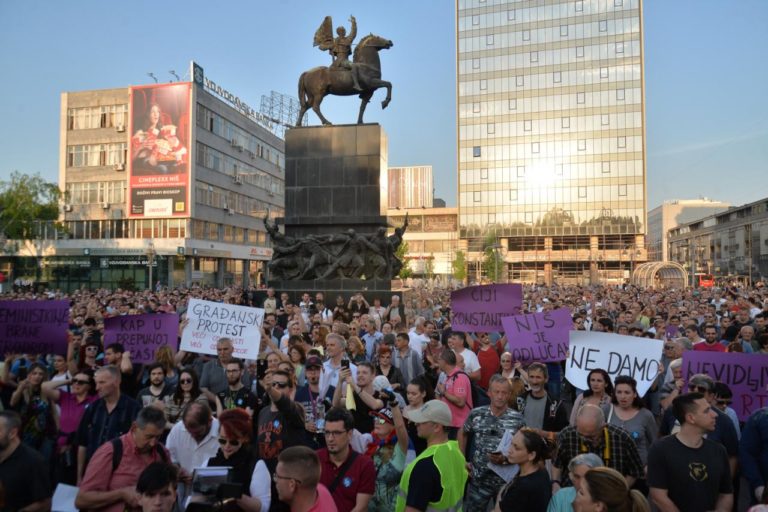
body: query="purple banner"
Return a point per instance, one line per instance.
(541, 337)
(34, 326)
(481, 308)
(745, 374)
(141, 335)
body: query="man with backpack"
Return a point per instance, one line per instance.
(109, 484)
(455, 391)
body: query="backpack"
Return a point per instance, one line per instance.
(479, 395)
(117, 453)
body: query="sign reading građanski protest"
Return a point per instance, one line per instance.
(640, 358)
(209, 321)
(481, 308)
(34, 326)
(538, 336)
(141, 335)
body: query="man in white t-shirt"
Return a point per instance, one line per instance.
(471, 364)
(418, 336)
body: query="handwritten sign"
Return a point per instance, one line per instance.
(481, 308)
(34, 326)
(209, 321)
(745, 374)
(539, 337)
(142, 335)
(616, 354)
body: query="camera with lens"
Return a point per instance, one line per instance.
(386, 394)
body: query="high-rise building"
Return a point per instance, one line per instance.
(671, 214)
(410, 187)
(551, 151)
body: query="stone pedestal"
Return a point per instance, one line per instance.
(335, 180)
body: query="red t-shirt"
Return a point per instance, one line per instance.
(489, 365)
(715, 347)
(324, 502)
(360, 478)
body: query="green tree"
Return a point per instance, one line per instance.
(25, 199)
(459, 266)
(401, 252)
(492, 260)
(429, 267)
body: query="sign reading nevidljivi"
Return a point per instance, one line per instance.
(209, 321)
(142, 335)
(34, 326)
(616, 354)
(745, 374)
(538, 336)
(481, 308)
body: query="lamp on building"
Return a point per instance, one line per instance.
(150, 260)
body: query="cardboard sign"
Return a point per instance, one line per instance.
(616, 354)
(34, 326)
(481, 308)
(541, 337)
(745, 374)
(209, 321)
(141, 335)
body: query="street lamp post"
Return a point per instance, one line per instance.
(150, 261)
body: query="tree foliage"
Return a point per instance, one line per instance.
(429, 267)
(492, 259)
(401, 252)
(25, 199)
(459, 266)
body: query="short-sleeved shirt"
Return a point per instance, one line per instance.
(457, 383)
(99, 425)
(360, 478)
(24, 476)
(240, 399)
(71, 413)
(706, 347)
(279, 429)
(424, 485)
(487, 431)
(324, 502)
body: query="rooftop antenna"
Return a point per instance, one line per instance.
(178, 78)
(152, 76)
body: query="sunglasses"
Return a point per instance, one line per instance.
(724, 402)
(281, 385)
(81, 382)
(231, 442)
(185, 381)
(381, 421)
(700, 389)
(668, 347)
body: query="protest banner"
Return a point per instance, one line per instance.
(539, 337)
(34, 326)
(616, 354)
(481, 308)
(141, 335)
(745, 374)
(209, 321)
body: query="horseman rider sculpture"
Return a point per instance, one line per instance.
(339, 47)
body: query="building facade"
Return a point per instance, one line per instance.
(432, 238)
(167, 182)
(671, 214)
(551, 137)
(732, 244)
(410, 187)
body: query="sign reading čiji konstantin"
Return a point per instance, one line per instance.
(481, 308)
(34, 326)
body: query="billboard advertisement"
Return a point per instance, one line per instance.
(160, 151)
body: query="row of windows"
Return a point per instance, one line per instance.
(96, 192)
(558, 173)
(566, 124)
(580, 77)
(552, 149)
(94, 155)
(551, 103)
(238, 137)
(530, 197)
(570, 57)
(628, 217)
(127, 228)
(105, 116)
(557, 11)
(432, 246)
(217, 161)
(205, 230)
(217, 197)
(549, 35)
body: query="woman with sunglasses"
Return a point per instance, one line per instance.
(187, 391)
(512, 370)
(235, 451)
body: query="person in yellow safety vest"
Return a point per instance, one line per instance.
(435, 480)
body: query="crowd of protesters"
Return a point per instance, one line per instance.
(375, 403)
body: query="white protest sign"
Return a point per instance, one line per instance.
(616, 354)
(209, 321)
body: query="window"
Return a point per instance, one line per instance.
(521, 171)
(603, 25)
(511, 15)
(582, 145)
(620, 94)
(484, 173)
(606, 167)
(558, 169)
(582, 192)
(526, 35)
(618, 3)
(580, 96)
(477, 196)
(604, 119)
(557, 77)
(512, 103)
(513, 194)
(491, 218)
(563, 30)
(565, 122)
(535, 147)
(476, 108)
(475, 63)
(579, 51)
(475, 20)
(604, 72)
(489, 40)
(621, 142)
(519, 80)
(622, 190)
(483, 85)
(491, 128)
(476, 151)
(579, 6)
(529, 217)
(620, 47)
(527, 125)
(534, 56)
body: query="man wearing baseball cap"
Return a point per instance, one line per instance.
(312, 399)
(435, 479)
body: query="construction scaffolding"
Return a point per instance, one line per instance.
(281, 109)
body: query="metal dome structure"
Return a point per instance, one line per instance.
(660, 274)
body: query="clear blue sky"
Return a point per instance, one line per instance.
(706, 77)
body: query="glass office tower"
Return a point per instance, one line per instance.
(551, 137)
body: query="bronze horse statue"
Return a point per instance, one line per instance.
(316, 83)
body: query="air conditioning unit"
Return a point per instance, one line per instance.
(237, 179)
(231, 211)
(67, 207)
(119, 167)
(105, 206)
(239, 148)
(271, 193)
